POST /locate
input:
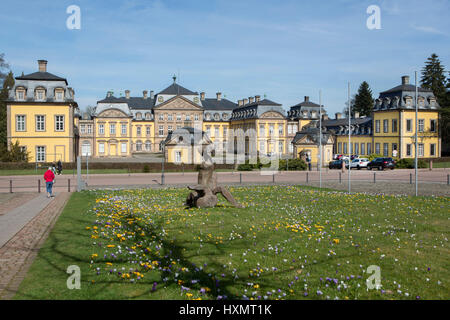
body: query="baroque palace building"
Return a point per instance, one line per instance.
(44, 118)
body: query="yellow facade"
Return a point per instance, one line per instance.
(364, 145)
(58, 143)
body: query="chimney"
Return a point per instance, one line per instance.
(127, 94)
(250, 99)
(145, 94)
(202, 96)
(108, 94)
(257, 98)
(42, 65)
(306, 99)
(152, 94)
(219, 96)
(405, 80)
(245, 101)
(338, 115)
(356, 115)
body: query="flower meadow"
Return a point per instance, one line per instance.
(287, 243)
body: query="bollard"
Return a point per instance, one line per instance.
(10, 186)
(374, 177)
(431, 165)
(410, 178)
(448, 179)
(240, 177)
(39, 186)
(340, 177)
(68, 185)
(273, 178)
(307, 177)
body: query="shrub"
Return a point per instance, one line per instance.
(293, 165)
(374, 156)
(245, 167)
(146, 168)
(409, 164)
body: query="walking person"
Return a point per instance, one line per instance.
(49, 178)
(59, 167)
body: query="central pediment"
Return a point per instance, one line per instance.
(112, 113)
(178, 103)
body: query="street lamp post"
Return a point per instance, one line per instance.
(164, 160)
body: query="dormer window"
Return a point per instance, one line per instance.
(59, 94)
(40, 94)
(224, 116)
(20, 94)
(148, 116)
(216, 116)
(139, 116)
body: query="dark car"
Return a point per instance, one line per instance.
(381, 164)
(337, 164)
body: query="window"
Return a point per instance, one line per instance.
(339, 147)
(147, 131)
(394, 148)
(86, 148)
(420, 150)
(21, 94)
(356, 148)
(20, 123)
(101, 148)
(138, 116)
(208, 131)
(196, 117)
(178, 117)
(138, 131)
(369, 148)
(280, 146)
(291, 147)
(385, 126)
(59, 94)
(433, 125)
(169, 129)
(225, 132)
(262, 146)
(40, 94)
(394, 125)
(408, 150)
(280, 130)
(148, 146)
(82, 128)
(262, 131)
(420, 125)
(377, 148)
(59, 123)
(432, 149)
(170, 117)
(161, 117)
(289, 129)
(89, 128)
(148, 116)
(123, 129)
(123, 147)
(161, 131)
(101, 128)
(178, 156)
(363, 148)
(294, 129)
(385, 149)
(188, 117)
(345, 148)
(216, 131)
(40, 154)
(409, 125)
(139, 146)
(271, 130)
(377, 126)
(40, 123)
(112, 128)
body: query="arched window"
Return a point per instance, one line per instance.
(21, 93)
(148, 146)
(148, 116)
(39, 93)
(138, 146)
(138, 116)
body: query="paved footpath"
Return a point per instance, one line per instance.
(22, 232)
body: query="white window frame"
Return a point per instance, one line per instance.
(86, 148)
(420, 125)
(420, 150)
(59, 123)
(40, 123)
(40, 153)
(161, 131)
(123, 129)
(21, 123)
(123, 147)
(101, 148)
(177, 156)
(101, 128)
(112, 128)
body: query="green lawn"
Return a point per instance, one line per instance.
(287, 243)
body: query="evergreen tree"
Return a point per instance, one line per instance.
(363, 102)
(433, 78)
(4, 67)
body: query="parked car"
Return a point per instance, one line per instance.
(359, 163)
(381, 164)
(337, 164)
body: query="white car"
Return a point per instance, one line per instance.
(359, 163)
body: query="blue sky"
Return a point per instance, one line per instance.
(283, 49)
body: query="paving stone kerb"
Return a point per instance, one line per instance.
(17, 254)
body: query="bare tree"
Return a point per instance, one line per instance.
(4, 68)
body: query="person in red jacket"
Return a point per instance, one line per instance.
(49, 178)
